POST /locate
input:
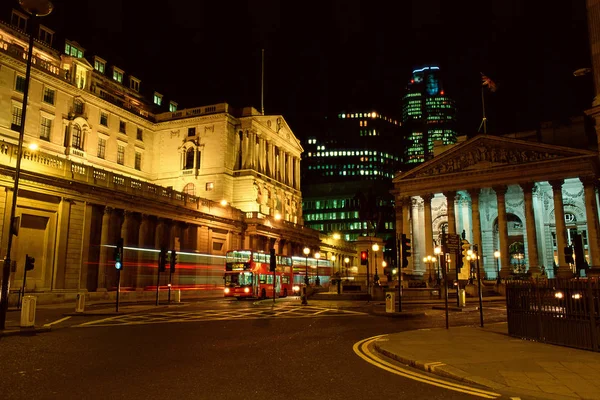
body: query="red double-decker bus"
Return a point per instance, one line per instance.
(247, 274)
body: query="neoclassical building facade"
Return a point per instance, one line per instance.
(109, 164)
(527, 200)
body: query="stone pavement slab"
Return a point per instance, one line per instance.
(489, 357)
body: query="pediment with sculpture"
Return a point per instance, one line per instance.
(484, 152)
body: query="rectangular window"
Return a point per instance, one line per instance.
(191, 132)
(45, 128)
(122, 127)
(101, 148)
(209, 186)
(99, 66)
(20, 84)
(118, 76)
(140, 134)
(16, 115)
(157, 99)
(138, 161)
(49, 95)
(121, 154)
(103, 119)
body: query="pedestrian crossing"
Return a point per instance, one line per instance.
(281, 311)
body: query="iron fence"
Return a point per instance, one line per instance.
(561, 312)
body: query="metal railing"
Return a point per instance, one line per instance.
(561, 312)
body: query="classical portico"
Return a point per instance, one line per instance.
(525, 199)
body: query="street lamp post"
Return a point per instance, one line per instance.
(497, 256)
(306, 251)
(438, 252)
(317, 280)
(346, 261)
(428, 260)
(375, 249)
(35, 8)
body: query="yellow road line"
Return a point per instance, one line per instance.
(57, 321)
(361, 349)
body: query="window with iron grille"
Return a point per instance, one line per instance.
(101, 148)
(49, 95)
(120, 154)
(45, 128)
(17, 113)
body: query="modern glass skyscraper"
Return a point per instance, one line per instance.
(348, 166)
(428, 115)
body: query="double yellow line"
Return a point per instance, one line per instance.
(362, 350)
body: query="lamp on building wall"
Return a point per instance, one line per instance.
(306, 252)
(35, 8)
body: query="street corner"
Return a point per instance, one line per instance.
(25, 331)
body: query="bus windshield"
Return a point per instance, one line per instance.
(241, 279)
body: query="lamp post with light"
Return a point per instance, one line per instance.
(35, 8)
(429, 260)
(375, 249)
(306, 252)
(317, 280)
(497, 256)
(438, 252)
(346, 261)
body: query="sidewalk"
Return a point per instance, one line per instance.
(489, 357)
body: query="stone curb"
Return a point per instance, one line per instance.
(25, 331)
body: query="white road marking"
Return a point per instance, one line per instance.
(57, 321)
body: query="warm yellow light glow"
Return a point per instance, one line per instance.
(346, 260)
(33, 146)
(317, 255)
(306, 250)
(375, 247)
(223, 202)
(277, 217)
(383, 264)
(469, 252)
(497, 254)
(336, 236)
(437, 251)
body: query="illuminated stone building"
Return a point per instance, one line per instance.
(111, 164)
(428, 115)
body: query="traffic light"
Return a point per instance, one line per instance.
(119, 254)
(272, 260)
(162, 259)
(406, 250)
(29, 261)
(569, 255)
(364, 257)
(173, 260)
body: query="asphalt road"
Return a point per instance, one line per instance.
(215, 350)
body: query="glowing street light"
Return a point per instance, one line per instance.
(497, 256)
(346, 261)
(317, 280)
(306, 252)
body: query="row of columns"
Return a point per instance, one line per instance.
(268, 159)
(532, 245)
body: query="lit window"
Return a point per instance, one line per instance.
(210, 186)
(172, 106)
(157, 99)
(77, 138)
(99, 66)
(120, 154)
(16, 116)
(101, 148)
(118, 75)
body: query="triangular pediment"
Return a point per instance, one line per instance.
(488, 152)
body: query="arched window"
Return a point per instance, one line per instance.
(77, 138)
(189, 158)
(189, 189)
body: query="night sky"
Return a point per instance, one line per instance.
(328, 56)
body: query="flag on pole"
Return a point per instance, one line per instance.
(485, 81)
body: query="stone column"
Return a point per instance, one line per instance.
(406, 208)
(104, 240)
(476, 217)
(532, 247)
(505, 267)
(450, 198)
(591, 211)
(143, 257)
(593, 14)
(564, 270)
(428, 233)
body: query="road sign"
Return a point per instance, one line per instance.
(452, 242)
